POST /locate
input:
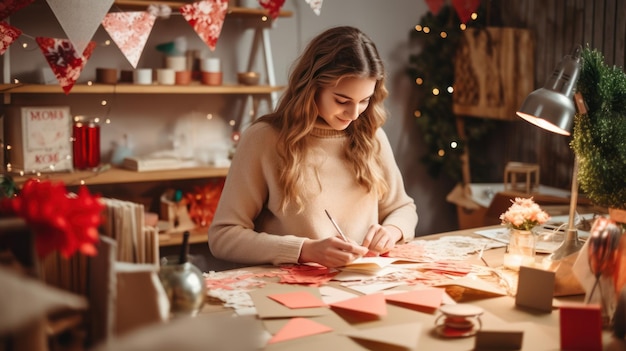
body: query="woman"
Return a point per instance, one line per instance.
(323, 149)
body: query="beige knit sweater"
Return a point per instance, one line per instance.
(248, 226)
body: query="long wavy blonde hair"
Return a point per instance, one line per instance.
(335, 54)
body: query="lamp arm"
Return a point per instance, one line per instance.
(573, 196)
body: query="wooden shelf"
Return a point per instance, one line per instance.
(127, 88)
(175, 5)
(120, 175)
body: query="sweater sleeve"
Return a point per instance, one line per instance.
(232, 235)
(397, 208)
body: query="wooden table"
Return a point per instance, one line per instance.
(541, 330)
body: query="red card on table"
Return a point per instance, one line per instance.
(581, 327)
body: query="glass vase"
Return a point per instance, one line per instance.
(520, 250)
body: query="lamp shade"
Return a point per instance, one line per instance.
(552, 106)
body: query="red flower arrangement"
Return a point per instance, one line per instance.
(61, 221)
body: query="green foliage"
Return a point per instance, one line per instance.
(434, 64)
(599, 138)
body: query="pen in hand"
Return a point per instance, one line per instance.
(343, 236)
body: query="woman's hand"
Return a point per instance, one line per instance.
(331, 252)
(380, 239)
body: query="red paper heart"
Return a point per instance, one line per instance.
(272, 6)
(9, 7)
(435, 5)
(465, 8)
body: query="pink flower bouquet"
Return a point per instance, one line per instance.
(524, 214)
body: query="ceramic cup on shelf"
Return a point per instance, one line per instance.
(182, 77)
(177, 63)
(142, 76)
(106, 75)
(166, 76)
(210, 64)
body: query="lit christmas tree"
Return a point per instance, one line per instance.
(437, 38)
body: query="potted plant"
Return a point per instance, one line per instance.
(599, 138)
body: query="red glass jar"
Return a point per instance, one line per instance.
(86, 144)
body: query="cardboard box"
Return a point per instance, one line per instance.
(482, 204)
(39, 138)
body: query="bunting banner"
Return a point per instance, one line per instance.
(465, 8)
(435, 6)
(9, 7)
(272, 6)
(80, 18)
(316, 6)
(130, 32)
(206, 18)
(63, 60)
(8, 35)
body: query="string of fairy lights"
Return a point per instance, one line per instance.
(431, 67)
(436, 90)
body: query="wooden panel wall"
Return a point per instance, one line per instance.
(559, 26)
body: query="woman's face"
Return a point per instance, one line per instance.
(340, 105)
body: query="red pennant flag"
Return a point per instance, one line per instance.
(465, 8)
(129, 31)
(272, 6)
(63, 60)
(206, 17)
(435, 6)
(9, 7)
(8, 34)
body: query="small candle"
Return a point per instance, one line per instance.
(514, 261)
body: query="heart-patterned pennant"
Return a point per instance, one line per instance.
(206, 18)
(465, 8)
(8, 34)
(9, 7)
(129, 31)
(316, 5)
(272, 6)
(63, 60)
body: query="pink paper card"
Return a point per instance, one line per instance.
(423, 300)
(363, 307)
(299, 327)
(298, 299)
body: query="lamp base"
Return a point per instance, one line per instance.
(569, 246)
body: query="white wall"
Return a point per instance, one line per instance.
(152, 121)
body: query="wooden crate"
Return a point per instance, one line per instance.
(494, 72)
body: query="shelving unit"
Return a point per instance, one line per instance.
(257, 18)
(120, 175)
(125, 88)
